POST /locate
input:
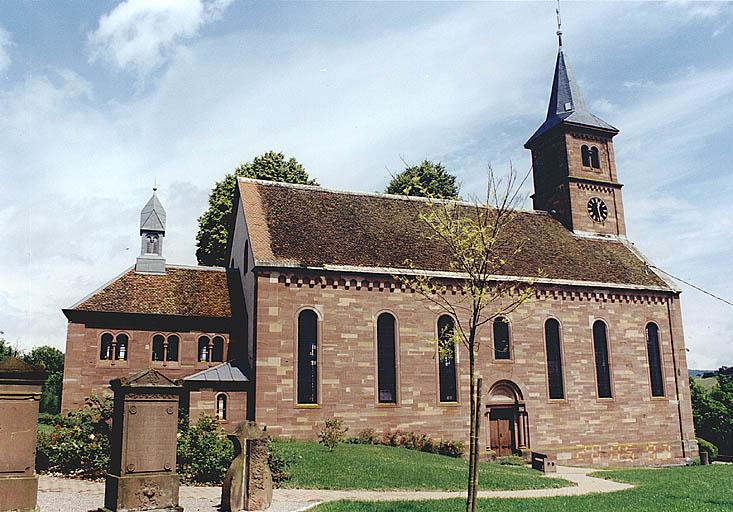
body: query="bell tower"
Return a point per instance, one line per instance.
(152, 231)
(573, 164)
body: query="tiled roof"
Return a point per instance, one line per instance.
(224, 372)
(185, 291)
(304, 226)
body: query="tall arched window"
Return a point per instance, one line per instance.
(603, 369)
(447, 359)
(386, 359)
(203, 349)
(502, 349)
(307, 357)
(171, 353)
(158, 348)
(217, 349)
(221, 406)
(655, 359)
(554, 359)
(121, 347)
(595, 158)
(105, 348)
(585, 153)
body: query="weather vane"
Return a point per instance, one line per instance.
(559, 24)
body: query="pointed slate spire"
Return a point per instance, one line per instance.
(566, 101)
(152, 216)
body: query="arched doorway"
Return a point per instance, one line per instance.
(507, 421)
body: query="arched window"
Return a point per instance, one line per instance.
(203, 349)
(158, 348)
(386, 359)
(595, 158)
(554, 359)
(447, 359)
(307, 357)
(105, 348)
(217, 349)
(502, 349)
(151, 247)
(171, 353)
(121, 347)
(585, 153)
(655, 359)
(603, 369)
(221, 406)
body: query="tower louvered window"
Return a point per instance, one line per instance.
(386, 359)
(585, 154)
(655, 359)
(447, 359)
(307, 357)
(554, 360)
(595, 158)
(603, 369)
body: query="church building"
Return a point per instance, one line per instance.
(310, 321)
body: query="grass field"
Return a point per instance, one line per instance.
(352, 466)
(699, 488)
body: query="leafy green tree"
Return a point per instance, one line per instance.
(6, 349)
(429, 179)
(712, 411)
(213, 234)
(52, 359)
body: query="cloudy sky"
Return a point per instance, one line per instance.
(99, 99)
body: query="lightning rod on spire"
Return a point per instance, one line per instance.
(559, 24)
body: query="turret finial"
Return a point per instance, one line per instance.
(559, 24)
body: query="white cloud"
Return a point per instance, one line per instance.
(5, 42)
(141, 34)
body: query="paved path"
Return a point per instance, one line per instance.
(81, 496)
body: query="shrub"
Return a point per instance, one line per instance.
(366, 436)
(454, 449)
(280, 463)
(204, 451)
(707, 446)
(511, 460)
(333, 433)
(410, 440)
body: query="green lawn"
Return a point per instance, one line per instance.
(694, 489)
(352, 466)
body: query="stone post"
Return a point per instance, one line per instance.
(143, 457)
(248, 482)
(20, 394)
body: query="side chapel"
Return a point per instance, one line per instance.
(308, 321)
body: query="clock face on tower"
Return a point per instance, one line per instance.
(597, 209)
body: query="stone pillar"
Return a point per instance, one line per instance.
(248, 482)
(143, 457)
(20, 394)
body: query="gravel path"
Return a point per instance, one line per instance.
(68, 495)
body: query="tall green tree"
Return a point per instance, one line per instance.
(213, 234)
(428, 179)
(712, 410)
(52, 359)
(6, 349)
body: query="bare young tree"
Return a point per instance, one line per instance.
(481, 241)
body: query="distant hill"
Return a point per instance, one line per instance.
(699, 373)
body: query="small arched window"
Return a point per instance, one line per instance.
(158, 348)
(307, 357)
(554, 360)
(121, 347)
(217, 349)
(655, 359)
(151, 247)
(203, 349)
(171, 353)
(386, 359)
(603, 369)
(502, 348)
(105, 349)
(447, 359)
(585, 153)
(221, 406)
(595, 158)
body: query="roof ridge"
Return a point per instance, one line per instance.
(195, 267)
(377, 195)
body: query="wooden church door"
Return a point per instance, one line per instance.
(501, 435)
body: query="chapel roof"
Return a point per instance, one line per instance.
(180, 291)
(292, 226)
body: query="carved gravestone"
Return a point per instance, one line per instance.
(248, 482)
(143, 458)
(20, 394)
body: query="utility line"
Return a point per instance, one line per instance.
(693, 286)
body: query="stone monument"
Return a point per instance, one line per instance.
(20, 394)
(248, 482)
(143, 458)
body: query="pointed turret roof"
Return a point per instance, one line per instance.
(152, 217)
(566, 102)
